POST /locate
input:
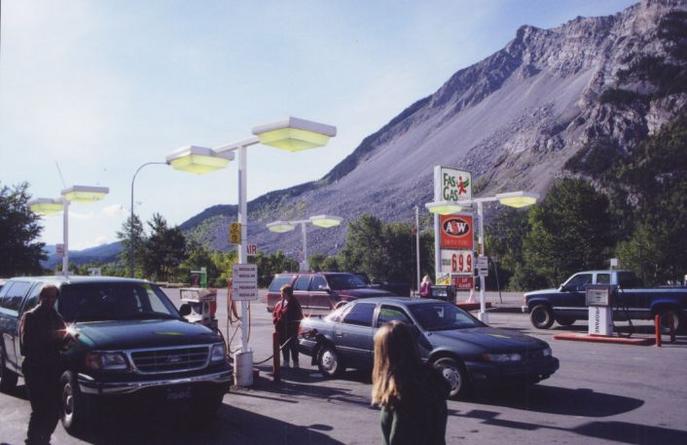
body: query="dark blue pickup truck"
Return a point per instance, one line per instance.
(128, 339)
(568, 303)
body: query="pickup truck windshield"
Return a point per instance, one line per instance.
(442, 317)
(114, 301)
(345, 281)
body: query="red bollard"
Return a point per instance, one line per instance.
(657, 324)
(276, 364)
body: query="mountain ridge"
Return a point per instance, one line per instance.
(542, 107)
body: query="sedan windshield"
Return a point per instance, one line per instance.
(441, 316)
(114, 301)
(345, 281)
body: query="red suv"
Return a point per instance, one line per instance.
(322, 290)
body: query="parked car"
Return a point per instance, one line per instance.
(632, 300)
(127, 339)
(322, 290)
(466, 351)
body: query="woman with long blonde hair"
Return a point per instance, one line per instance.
(412, 396)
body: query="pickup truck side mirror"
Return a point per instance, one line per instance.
(185, 309)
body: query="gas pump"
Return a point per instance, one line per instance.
(202, 305)
(600, 300)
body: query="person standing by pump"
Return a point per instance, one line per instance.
(287, 316)
(426, 287)
(42, 331)
(412, 395)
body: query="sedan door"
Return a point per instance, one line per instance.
(354, 335)
(388, 313)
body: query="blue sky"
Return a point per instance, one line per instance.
(100, 87)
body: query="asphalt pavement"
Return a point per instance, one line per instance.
(602, 394)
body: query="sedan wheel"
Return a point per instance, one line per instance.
(328, 361)
(454, 375)
(541, 317)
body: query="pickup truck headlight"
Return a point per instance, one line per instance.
(502, 358)
(218, 352)
(106, 361)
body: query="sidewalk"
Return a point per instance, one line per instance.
(505, 302)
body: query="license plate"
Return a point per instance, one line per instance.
(181, 393)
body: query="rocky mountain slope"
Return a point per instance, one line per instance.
(553, 102)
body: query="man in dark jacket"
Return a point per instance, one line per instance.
(42, 332)
(287, 316)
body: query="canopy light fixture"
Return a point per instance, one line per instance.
(85, 193)
(199, 160)
(518, 199)
(46, 206)
(280, 226)
(444, 207)
(325, 221)
(295, 134)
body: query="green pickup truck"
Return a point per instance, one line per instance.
(632, 300)
(128, 339)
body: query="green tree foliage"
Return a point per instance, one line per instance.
(132, 232)
(164, 250)
(364, 248)
(503, 241)
(223, 261)
(20, 253)
(323, 263)
(385, 252)
(269, 265)
(198, 256)
(651, 191)
(316, 261)
(331, 264)
(571, 230)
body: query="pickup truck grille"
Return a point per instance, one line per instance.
(169, 360)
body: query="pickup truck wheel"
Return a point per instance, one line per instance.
(669, 316)
(541, 316)
(565, 321)
(455, 375)
(8, 379)
(329, 361)
(75, 407)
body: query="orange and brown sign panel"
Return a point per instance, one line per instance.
(456, 232)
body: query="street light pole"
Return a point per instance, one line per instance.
(243, 218)
(293, 134)
(324, 221)
(47, 206)
(65, 238)
(480, 250)
(132, 249)
(306, 266)
(417, 246)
